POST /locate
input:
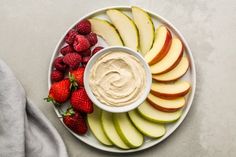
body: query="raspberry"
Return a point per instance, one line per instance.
(72, 60)
(81, 43)
(86, 53)
(85, 60)
(83, 27)
(67, 49)
(70, 36)
(59, 64)
(96, 49)
(56, 76)
(92, 38)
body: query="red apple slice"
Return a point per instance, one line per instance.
(166, 105)
(160, 46)
(170, 90)
(172, 58)
(175, 73)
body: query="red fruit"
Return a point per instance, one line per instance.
(59, 64)
(92, 38)
(77, 77)
(56, 76)
(86, 53)
(70, 36)
(75, 121)
(81, 43)
(83, 27)
(80, 101)
(85, 60)
(96, 49)
(59, 92)
(72, 60)
(67, 49)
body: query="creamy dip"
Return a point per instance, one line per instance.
(117, 79)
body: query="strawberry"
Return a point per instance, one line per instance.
(92, 38)
(86, 53)
(75, 121)
(83, 27)
(56, 76)
(59, 92)
(72, 60)
(96, 49)
(77, 77)
(81, 43)
(80, 101)
(70, 36)
(59, 64)
(67, 49)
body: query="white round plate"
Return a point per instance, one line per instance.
(190, 76)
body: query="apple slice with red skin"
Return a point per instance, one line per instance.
(166, 105)
(170, 90)
(171, 59)
(160, 46)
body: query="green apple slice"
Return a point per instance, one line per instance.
(145, 126)
(107, 31)
(126, 28)
(95, 126)
(110, 130)
(127, 131)
(145, 28)
(152, 114)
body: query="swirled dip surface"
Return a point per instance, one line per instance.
(117, 79)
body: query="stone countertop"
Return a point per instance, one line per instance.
(31, 29)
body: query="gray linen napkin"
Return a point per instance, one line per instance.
(24, 130)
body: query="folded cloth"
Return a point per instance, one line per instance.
(24, 130)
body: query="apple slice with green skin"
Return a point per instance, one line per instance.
(126, 28)
(127, 131)
(110, 130)
(145, 28)
(175, 73)
(160, 46)
(170, 90)
(107, 31)
(95, 126)
(166, 105)
(153, 114)
(171, 59)
(145, 126)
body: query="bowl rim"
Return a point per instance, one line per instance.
(117, 109)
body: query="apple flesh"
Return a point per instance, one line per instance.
(160, 46)
(170, 90)
(175, 73)
(95, 126)
(153, 114)
(166, 105)
(146, 127)
(107, 31)
(110, 130)
(130, 135)
(126, 28)
(171, 59)
(145, 28)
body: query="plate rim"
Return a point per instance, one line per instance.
(193, 76)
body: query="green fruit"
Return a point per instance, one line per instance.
(145, 126)
(126, 28)
(145, 28)
(152, 114)
(110, 130)
(107, 31)
(127, 131)
(95, 126)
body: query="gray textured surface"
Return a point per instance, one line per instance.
(30, 30)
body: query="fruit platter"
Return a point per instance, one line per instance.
(121, 79)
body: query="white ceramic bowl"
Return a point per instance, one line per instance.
(117, 109)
